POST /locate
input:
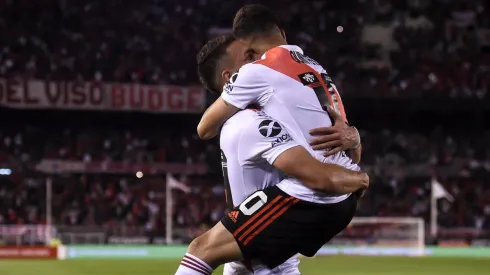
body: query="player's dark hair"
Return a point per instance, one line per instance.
(253, 20)
(208, 59)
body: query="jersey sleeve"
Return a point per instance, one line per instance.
(334, 94)
(246, 87)
(264, 139)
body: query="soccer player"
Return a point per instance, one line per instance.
(287, 85)
(251, 142)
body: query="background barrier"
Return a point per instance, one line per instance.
(125, 252)
(176, 252)
(28, 252)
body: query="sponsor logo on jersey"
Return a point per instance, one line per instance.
(228, 87)
(281, 139)
(233, 215)
(262, 114)
(223, 159)
(308, 78)
(327, 78)
(301, 58)
(269, 128)
(332, 90)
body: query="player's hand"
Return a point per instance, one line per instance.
(365, 184)
(338, 138)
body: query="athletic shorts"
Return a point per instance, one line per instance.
(271, 226)
(289, 267)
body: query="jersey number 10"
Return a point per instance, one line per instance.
(261, 199)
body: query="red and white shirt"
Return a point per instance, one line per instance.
(250, 142)
(291, 88)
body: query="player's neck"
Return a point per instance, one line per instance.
(274, 42)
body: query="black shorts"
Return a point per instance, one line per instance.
(272, 226)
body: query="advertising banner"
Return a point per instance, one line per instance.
(176, 252)
(72, 166)
(28, 252)
(434, 251)
(100, 96)
(125, 252)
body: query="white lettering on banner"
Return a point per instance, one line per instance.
(128, 240)
(36, 94)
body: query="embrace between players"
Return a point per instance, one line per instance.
(289, 157)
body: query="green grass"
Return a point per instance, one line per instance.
(334, 265)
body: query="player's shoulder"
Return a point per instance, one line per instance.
(242, 117)
(234, 126)
(262, 138)
(261, 134)
(263, 128)
(248, 74)
(250, 69)
(248, 121)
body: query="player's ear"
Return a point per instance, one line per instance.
(283, 33)
(226, 75)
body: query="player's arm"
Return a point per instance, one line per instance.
(214, 117)
(355, 154)
(267, 140)
(331, 178)
(337, 138)
(243, 88)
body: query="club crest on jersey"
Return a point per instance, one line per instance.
(269, 128)
(228, 87)
(308, 78)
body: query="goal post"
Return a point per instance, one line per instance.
(380, 236)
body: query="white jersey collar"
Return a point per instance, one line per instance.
(287, 47)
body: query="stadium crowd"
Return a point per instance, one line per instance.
(390, 48)
(385, 48)
(115, 199)
(141, 143)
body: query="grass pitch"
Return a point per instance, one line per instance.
(335, 265)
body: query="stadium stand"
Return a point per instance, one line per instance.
(407, 48)
(418, 70)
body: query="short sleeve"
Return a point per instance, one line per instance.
(334, 95)
(245, 87)
(264, 139)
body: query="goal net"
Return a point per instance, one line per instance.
(380, 236)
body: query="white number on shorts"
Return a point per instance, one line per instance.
(249, 211)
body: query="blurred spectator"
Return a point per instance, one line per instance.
(407, 48)
(412, 48)
(110, 199)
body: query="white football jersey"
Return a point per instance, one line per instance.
(250, 142)
(291, 88)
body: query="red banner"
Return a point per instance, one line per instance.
(36, 94)
(28, 252)
(70, 166)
